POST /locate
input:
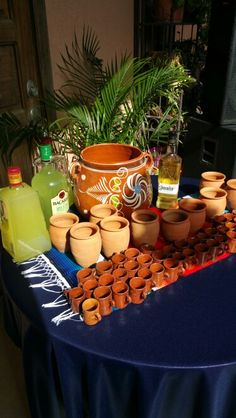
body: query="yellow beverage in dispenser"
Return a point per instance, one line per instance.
(23, 227)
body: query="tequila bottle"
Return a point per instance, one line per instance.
(169, 177)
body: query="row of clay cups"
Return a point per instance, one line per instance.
(122, 292)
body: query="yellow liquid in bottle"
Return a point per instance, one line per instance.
(168, 181)
(23, 227)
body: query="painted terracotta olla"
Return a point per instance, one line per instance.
(215, 200)
(115, 234)
(145, 227)
(196, 210)
(212, 179)
(175, 224)
(100, 211)
(85, 243)
(231, 194)
(59, 230)
(112, 173)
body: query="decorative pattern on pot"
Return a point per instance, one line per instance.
(113, 173)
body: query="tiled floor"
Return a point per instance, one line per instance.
(13, 401)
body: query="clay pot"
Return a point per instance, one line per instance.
(120, 292)
(59, 230)
(115, 234)
(215, 200)
(138, 291)
(196, 210)
(231, 194)
(112, 173)
(104, 295)
(212, 179)
(175, 224)
(145, 227)
(85, 243)
(100, 211)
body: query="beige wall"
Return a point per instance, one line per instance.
(112, 21)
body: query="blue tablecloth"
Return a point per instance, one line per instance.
(173, 356)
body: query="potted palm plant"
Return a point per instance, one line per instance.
(112, 104)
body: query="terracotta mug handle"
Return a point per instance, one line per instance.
(128, 299)
(149, 162)
(98, 316)
(74, 170)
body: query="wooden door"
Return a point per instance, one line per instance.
(19, 63)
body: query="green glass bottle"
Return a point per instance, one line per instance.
(22, 224)
(52, 186)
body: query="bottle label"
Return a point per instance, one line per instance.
(60, 203)
(171, 189)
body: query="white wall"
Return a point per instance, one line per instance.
(112, 21)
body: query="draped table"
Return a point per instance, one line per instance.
(172, 356)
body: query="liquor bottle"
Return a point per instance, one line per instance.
(169, 177)
(52, 185)
(22, 224)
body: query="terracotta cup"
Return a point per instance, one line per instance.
(120, 291)
(158, 270)
(120, 273)
(72, 293)
(115, 234)
(231, 241)
(182, 259)
(144, 260)
(146, 274)
(214, 247)
(118, 260)
(59, 230)
(100, 211)
(132, 253)
(76, 301)
(104, 295)
(147, 248)
(173, 270)
(215, 200)
(85, 243)
(202, 253)
(191, 258)
(104, 266)
(89, 286)
(181, 244)
(91, 314)
(196, 210)
(84, 274)
(159, 256)
(222, 240)
(132, 267)
(212, 179)
(138, 291)
(106, 279)
(175, 224)
(145, 227)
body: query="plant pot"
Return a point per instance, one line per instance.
(112, 173)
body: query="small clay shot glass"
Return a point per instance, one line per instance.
(132, 253)
(118, 260)
(173, 270)
(75, 296)
(84, 274)
(138, 291)
(89, 287)
(105, 266)
(120, 292)
(106, 279)
(202, 253)
(104, 295)
(158, 278)
(120, 273)
(146, 274)
(132, 267)
(91, 313)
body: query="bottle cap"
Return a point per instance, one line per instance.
(14, 176)
(45, 152)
